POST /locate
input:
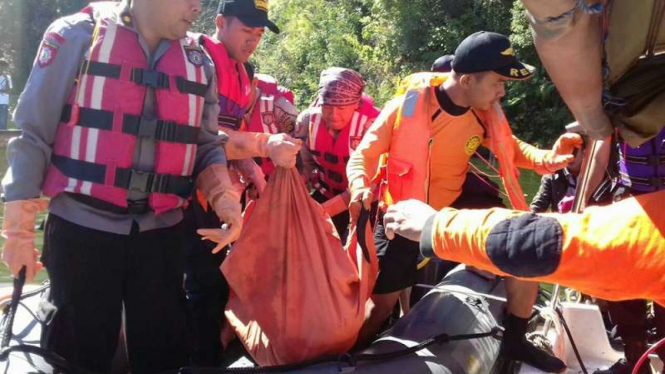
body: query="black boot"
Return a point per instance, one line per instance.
(515, 346)
(633, 351)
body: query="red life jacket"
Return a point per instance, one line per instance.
(331, 155)
(93, 152)
(263, 118)
(232, 82)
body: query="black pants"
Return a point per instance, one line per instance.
(399, 258)
(631, 319)
(207, 289)
(93, 274)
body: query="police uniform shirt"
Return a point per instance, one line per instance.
(38, 113)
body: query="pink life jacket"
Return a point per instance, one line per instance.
(94, 144)
(263, 117)
(233, 84)
(331, 155)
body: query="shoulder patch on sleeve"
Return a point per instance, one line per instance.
(49, 48)
(526, 246)
(47, 53)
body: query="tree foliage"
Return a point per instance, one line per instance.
(385, 40)
(22, 24)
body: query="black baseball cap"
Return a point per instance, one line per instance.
(443, 64)
(253, 13)
(484, 51)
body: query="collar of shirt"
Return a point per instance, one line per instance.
(447, 104)
(572, 181)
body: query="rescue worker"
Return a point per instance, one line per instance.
(641, 171)
(580, 251)
(118, 121)
(332, 128)
(429, 134)
(240, 26)
(611, 76)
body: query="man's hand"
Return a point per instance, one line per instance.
(215, 184)
(18, 230)
(227, 209)
(282, 150)
(562, 152)
(360, 198)
(407, 219)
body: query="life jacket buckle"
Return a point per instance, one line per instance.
(329, 157)
(140, 181)
(147, 127)
(150, 78)
(137, 206)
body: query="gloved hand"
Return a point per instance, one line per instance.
(252, 173)
(337, 204)
(360, 194)
(562, 152)
(18, 230)
(216, 186)
(282, 150)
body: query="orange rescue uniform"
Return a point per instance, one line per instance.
(427, 159)
(581, 251)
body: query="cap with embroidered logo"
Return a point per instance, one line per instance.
(485, 51)
(253, 13)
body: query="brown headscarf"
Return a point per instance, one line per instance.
(340, 87)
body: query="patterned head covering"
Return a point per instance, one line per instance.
(340, 87)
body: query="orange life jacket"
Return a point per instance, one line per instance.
(407, 167)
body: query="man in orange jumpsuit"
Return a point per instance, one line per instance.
(429, 135)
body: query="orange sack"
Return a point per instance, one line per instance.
(296, 293)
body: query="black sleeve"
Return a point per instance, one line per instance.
(541, 202)
(426, 243)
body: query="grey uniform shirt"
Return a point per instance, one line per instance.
(39, 110)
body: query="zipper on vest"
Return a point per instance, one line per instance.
(429, 168)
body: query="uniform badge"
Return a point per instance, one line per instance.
(126, 18)
(268, 118)
(47, 53)
(49, 48)
(472, 145)
(261, 5)
(194, 55)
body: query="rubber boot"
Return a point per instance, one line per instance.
(633, 350)
(515, 346)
